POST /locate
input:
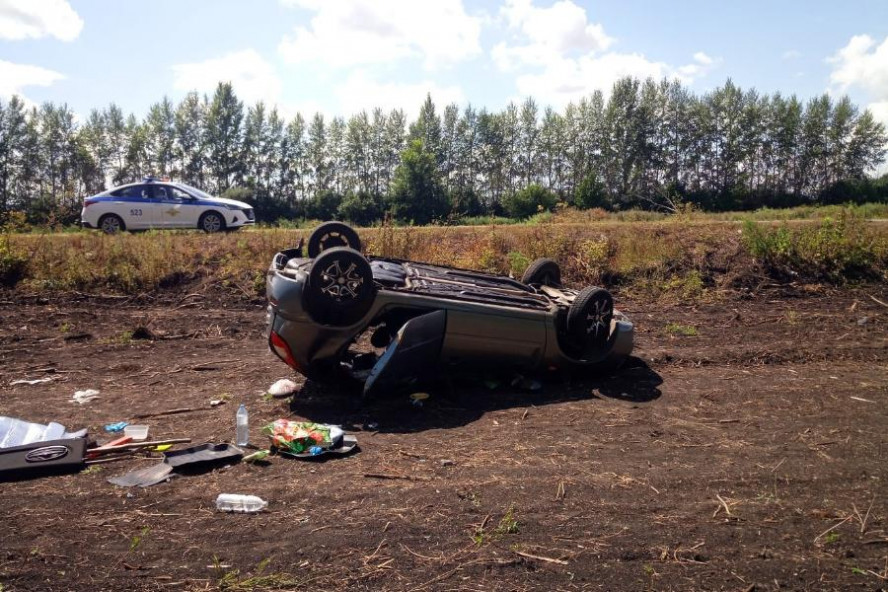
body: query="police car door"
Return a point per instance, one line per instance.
(136, 206)
(176, 209)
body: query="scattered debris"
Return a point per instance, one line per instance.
(447, 463)
(196, 458)
(144, 477)
(233, 502)
(303, 439)
(257, 456)
(217, 402)
(33, 382)
(116, 427)
(86, 396)
(136, 431)
(282, 388)
(17, 432)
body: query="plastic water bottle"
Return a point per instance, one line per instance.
(242, 433)
(234, 502)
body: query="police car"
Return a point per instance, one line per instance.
(162, 204)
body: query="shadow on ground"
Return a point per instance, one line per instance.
(459, 402)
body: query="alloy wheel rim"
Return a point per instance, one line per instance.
(598, 319)
(212, 223)
(110, 225)
(341, 284)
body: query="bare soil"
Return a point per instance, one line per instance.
(748, 456)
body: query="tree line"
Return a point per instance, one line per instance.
(647, 144)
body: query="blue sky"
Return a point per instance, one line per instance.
(341, 56)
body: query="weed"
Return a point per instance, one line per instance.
(690, 285)
(831, 538)
(679, 329)
(834, 249)
(508, 524)
(137, 539)
(858, 572)
(232, 581)
(65, 327)
(792, 317)
(518, 263)
(92, 470)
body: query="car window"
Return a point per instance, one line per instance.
(170, 193)
(131, 191)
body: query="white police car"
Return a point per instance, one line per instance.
(163, 204)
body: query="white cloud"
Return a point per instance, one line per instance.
(361, 32)
(253, 78)
(861, 64)
(33, 19)
(15, 77)
(360, 92)
(550, 33)
(701, 66)
(791, 54)
(559, 56)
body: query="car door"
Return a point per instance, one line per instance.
(135, 206)
(176, 208)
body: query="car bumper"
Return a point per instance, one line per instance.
(86, 224)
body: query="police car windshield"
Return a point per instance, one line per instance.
(194, 191)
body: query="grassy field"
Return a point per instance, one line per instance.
(686, 256)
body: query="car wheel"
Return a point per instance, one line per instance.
(111, 224)
(211, 222)
(330, 235)
(340, 289)
(589, 318)
(542, 272)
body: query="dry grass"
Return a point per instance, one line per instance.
(678, 257)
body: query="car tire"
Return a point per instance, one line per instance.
(542, 272)
(111, 224)
(211, 222)
(339, 290)
(331, 235)
(589, 318)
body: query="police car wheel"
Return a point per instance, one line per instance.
(111, 224)
(211, 222)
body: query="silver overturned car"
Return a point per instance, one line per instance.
(337, 314)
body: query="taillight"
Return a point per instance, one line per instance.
(282, 350)
(87, 203)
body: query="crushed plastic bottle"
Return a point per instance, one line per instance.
(234, 502)
(242, 433)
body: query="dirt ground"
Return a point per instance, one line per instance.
(748, 456)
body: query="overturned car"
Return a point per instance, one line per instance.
(422, 318)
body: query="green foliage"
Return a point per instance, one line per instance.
(324, 205)
(529, 201)
(360, 209)
(835, 249)
(591, 193)
(417, 194)
(518, 263)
